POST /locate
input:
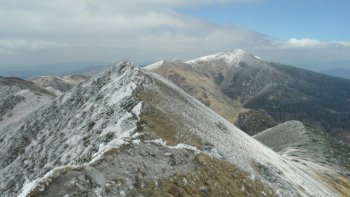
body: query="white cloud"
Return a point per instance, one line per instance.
(304, 42)
(295, 43)
(341, 43)
(308, 53)
(31, 45)
(119, 26)
(107, 30)
(5, 52)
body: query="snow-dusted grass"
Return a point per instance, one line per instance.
(234, 145)
(30, 103)
(312, 151)
(178, 146)
(40, 183)
(75, 129)
(95, 117)
(155, 65)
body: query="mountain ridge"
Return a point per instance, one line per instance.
(265, 90)
(121, 112)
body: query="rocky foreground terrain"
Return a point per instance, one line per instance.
(131, 132)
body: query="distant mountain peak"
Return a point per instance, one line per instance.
(231, 56)
(236, 52)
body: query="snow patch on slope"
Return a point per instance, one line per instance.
(154, 65)
(40, 183)
(180, 146)
(31, 102)
(230, 57)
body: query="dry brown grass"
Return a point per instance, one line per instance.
(212, 177)
(203, 88)
(340, 184)
(158, 124)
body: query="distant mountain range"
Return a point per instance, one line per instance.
(129, 131)
(256, 95)
(58, 85)
(61, 69)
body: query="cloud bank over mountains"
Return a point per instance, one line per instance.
(41, 32)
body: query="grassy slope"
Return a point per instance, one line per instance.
(202, 87)
(327, 158)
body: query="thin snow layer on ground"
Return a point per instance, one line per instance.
(308, 149)
(54, 91)
(212, 152)
(229, 56)
(43, 81)
(228, 62)
(235, 146)
(257, 57)
(120, 171)
(137, 109)
(293, 138)
(57, 85)
(74, 129)
(154, 65)
(31, 102)
(288, 134)
(95, 116)
(29, 186)
(42, 182)
(178, 146)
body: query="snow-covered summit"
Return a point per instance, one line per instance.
(232, 56)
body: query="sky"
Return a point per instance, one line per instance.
(36, 34)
